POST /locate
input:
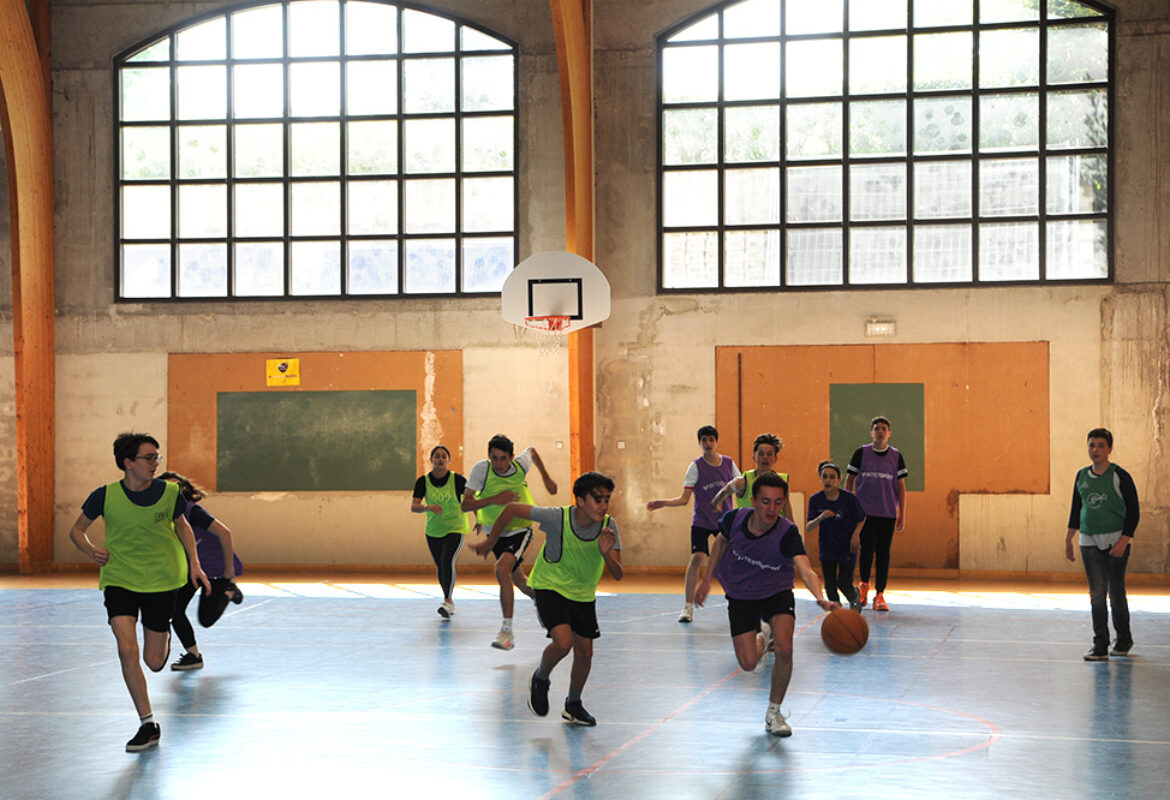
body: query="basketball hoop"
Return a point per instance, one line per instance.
(552, 326)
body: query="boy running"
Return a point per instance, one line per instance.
(143, 565)
(581, 543)
(706, 475)
(839, 517)
(500, 479)
(756, 556)
(879, 475)
(765, 451)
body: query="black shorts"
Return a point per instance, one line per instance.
(699, 539)
(157, 607)
(555, 609)
(514, 543)
(745, 615)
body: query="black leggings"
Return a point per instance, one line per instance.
(444, 551)
(877, 534)
(179, 621)
(838, 575)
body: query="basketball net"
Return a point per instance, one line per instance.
(552, 329)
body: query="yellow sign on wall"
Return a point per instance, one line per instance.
(284, 371)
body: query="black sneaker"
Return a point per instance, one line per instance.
(1097, 654)
(237, 595)
(188, 661)
(146, 738)
(538, 695)
(1121, 648)
(575, 713)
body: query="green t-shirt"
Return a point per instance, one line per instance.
(145, 553)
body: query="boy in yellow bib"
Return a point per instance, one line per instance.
(143, 565)
(493, 483)
(581, 543)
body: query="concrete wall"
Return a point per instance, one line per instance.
(655, 355)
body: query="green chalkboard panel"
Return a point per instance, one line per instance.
(315, 441)
(853, 405)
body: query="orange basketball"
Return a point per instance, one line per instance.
(844, 631)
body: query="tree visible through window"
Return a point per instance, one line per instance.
(316, 148)
(885, 142)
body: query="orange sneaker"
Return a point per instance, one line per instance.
(879, 603)
(862, 593)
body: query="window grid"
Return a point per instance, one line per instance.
(975, 155)
(162, 52)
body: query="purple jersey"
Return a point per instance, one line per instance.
(877, 479)
(757, 567)
(207, 544)
(835, 532)
(706, 481)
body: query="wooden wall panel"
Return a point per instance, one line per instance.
(986, 421)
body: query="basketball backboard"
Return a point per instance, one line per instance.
(556, 284)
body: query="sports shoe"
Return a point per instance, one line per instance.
(538, 695)
(687, 614)
(503, 640)
(879, 602)
(146, 738)
(1121, 648)
(237, 595)
(1097, 654)
(856, 603)
(444, 610)
(188, 661)
(575, 713)
(862, 593)
(777, 724)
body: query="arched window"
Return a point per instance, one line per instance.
(316, 148)
(877, 143)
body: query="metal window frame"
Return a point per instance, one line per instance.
(975, 156)
(230, 121)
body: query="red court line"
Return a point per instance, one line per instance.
(601, 762)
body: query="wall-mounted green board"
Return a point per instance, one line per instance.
(316, 441)
(853, 405)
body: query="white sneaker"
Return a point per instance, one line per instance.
(503, 640)
(687, 614)
(776, 724)
(447, 609)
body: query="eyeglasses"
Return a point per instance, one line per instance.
(153, 458)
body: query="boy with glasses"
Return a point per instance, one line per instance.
(581, 544)
(143, 565)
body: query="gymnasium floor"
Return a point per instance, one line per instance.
(356, 688)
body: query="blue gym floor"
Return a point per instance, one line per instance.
(330, 690)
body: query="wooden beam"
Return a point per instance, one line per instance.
(26, 118)
(573, 25)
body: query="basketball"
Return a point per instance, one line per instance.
(844, 631)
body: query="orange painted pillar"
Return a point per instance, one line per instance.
(572, 22)
(26, 119)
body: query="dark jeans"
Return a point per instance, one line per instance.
(1106, 576)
